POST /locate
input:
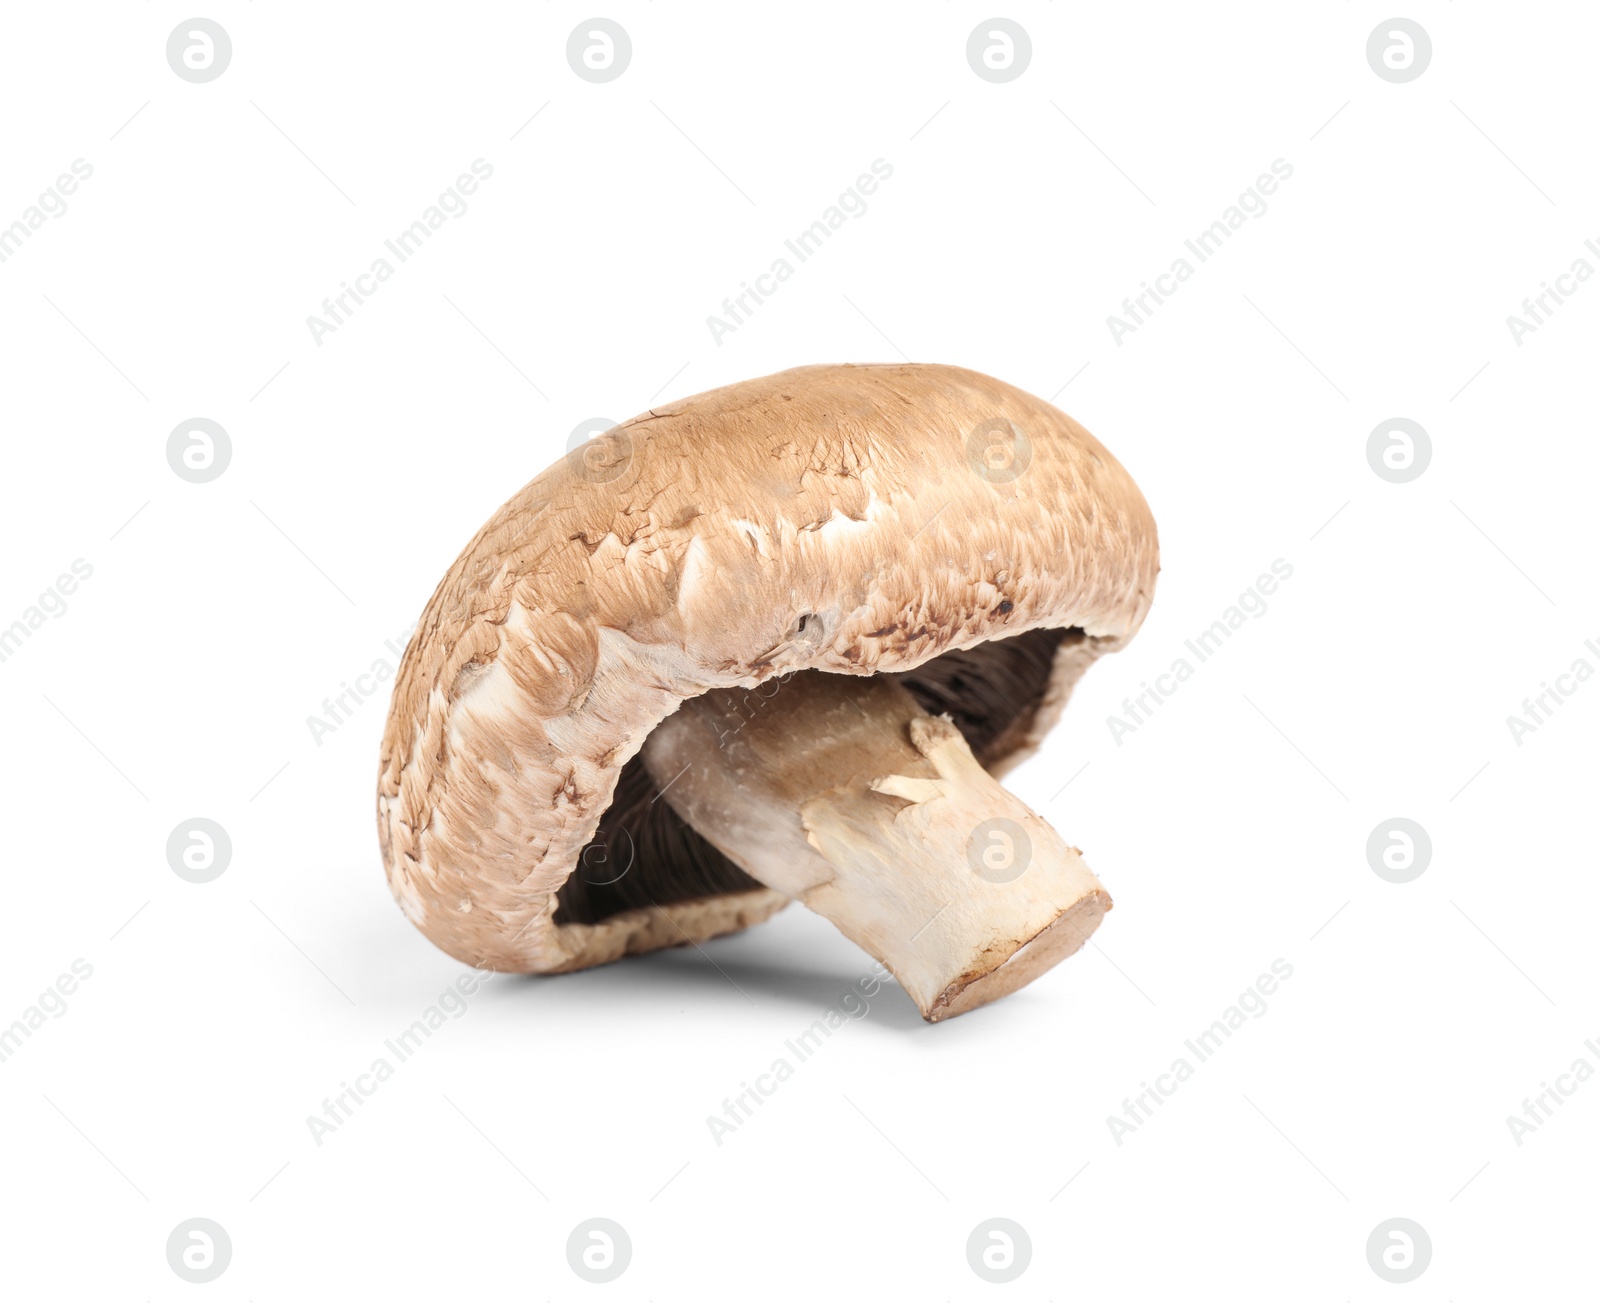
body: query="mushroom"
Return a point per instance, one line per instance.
(777, 641)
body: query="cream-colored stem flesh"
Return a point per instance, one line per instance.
(844, 794)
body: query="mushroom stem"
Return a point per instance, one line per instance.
(844, 794)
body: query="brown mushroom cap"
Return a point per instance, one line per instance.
(907, 519)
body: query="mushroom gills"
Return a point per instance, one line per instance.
(643, 856)
(843, 793)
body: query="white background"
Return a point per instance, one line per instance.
(1231, 829)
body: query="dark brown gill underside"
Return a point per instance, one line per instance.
(644, 854)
